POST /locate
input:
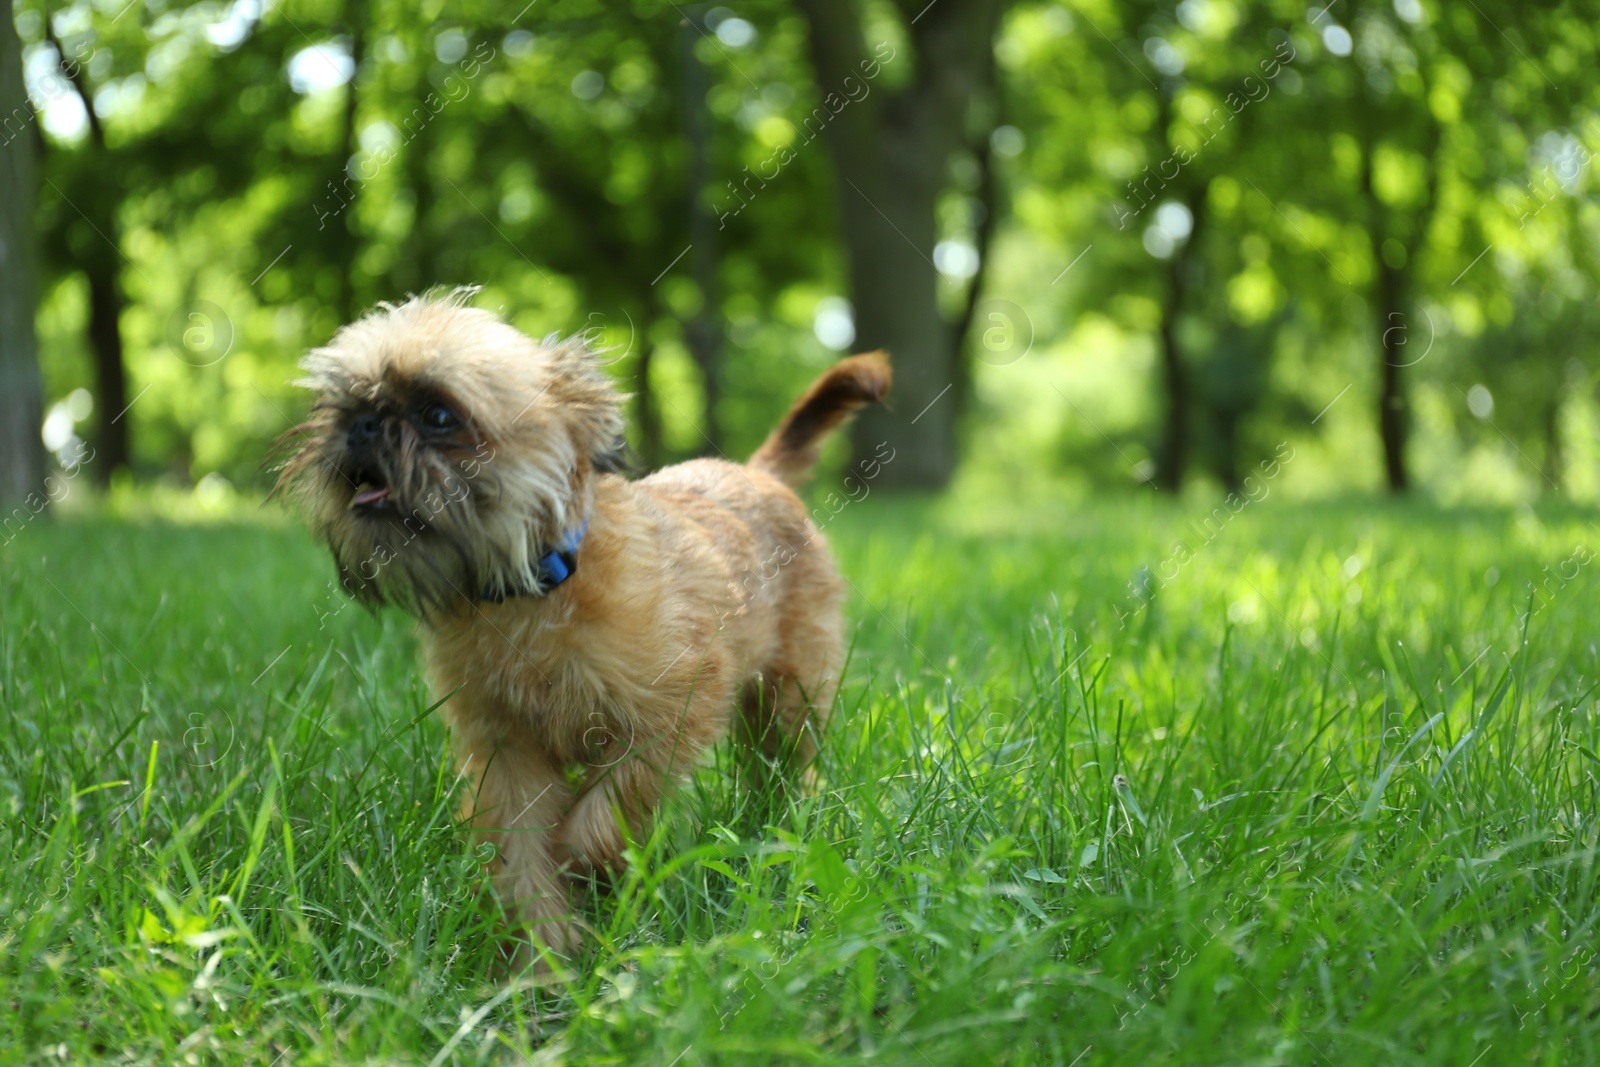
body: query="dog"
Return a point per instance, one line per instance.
(591, 636)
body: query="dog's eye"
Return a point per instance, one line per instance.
(439, 417)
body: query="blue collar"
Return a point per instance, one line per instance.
(553, 568)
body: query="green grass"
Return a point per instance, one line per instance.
(1329, 799)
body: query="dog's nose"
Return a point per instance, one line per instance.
(364, 431)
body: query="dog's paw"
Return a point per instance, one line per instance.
(590, 836)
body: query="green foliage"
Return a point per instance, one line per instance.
(1299, 152)
(1324, 791)
(544, 160)
(266, 173)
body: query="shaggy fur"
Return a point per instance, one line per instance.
(446, 452)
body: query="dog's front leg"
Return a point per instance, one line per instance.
(519, 797)
(629, 779)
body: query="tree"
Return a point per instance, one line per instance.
(21, 393)
(1417, 113)
(198, 138)
(345, 240)
(1397, 221)
(891, 149)
(96, 236)
(704, 329)
(566, 179)
(1147, 129)
(1540, 317)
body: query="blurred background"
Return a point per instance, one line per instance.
(1195, 248)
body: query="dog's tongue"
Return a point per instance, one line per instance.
(370, 496)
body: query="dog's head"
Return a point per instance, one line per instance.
(446, 451)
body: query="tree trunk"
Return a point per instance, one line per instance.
(1390, 298)
(644, 409)
(416, 270)
(703, 332)
(21, 391)
(1175, 382)
(1228, 452)
(106, 304)
(106, 301)
(1553, 464)
(1173, 458)
(890, 150)
(987, 194)
(889, 225)
(345, 244)
(1392, 420)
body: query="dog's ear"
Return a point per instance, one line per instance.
(591, 403)
(612, 460)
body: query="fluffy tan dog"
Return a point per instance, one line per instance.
(586, 628)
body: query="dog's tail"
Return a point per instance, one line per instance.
(791, 449)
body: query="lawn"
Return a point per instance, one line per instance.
(1319, 789)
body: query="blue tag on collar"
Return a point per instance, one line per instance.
(553, 568)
